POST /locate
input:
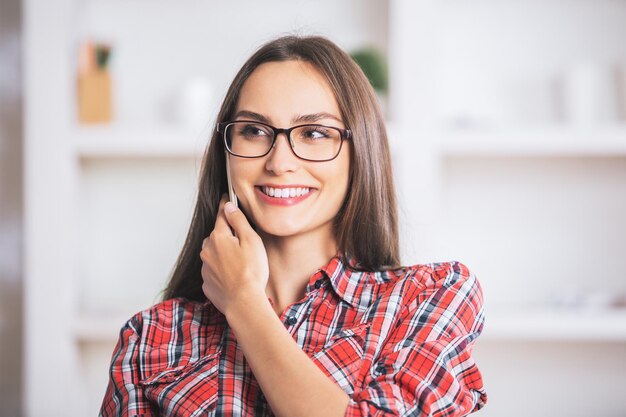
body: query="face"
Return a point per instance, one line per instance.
(285, 94)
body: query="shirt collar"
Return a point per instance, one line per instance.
(344, 280)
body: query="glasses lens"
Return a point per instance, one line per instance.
(315, 142)
(248, 139)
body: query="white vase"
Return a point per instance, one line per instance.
(589, 94)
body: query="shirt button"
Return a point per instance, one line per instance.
(318, 284)
(291, 320)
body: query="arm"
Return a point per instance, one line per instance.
(124, 395)
(291, 382)
(425, 366)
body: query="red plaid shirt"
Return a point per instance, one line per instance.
(397, 342)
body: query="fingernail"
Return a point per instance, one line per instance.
(229, 207)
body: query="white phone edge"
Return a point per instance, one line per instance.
(231, 192)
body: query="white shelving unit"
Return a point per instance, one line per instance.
(550, 141)
(549, 325)
(97, 329)
(530, 200)
(546, 325)
(137, 142)
(530, 203)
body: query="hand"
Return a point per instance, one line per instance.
(234, 266)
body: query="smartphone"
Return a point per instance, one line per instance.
(231, 192)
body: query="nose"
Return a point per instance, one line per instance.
(281, 158)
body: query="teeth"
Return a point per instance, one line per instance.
(285, 192)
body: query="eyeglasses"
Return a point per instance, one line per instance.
(249, 139)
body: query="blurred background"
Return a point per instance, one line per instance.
(507, 122)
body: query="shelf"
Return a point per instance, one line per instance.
(551, 141)
(171, 141)
(95, 329)
(547, 325)
(556, 325)
(142, 142)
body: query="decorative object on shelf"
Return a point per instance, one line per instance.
(189, 105)
(589, 95)
(580, 300)
(374, 65)
(94, 83)
(621, 91)
(532, 100)
(194, 103)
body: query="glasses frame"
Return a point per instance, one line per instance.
(345, 134)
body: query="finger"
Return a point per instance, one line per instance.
(238, 221)
(221, 224)
(206, 253)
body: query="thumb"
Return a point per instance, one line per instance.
(237, 220)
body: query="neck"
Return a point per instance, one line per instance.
(292, 260)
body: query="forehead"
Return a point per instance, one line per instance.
(283, 89)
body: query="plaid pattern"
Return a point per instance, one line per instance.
(397, 342)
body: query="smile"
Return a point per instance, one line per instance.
(283, 196)
(285, 192)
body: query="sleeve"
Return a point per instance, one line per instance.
(124, 395)
(425, 367)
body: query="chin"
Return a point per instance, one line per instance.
(281, 229)
(283, 225)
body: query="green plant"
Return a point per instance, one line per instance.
(374, 66)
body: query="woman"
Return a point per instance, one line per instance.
(295, 304)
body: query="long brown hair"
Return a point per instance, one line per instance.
(366, 226)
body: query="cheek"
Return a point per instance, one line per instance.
(242, 181)
(338, 180)
(344, 172)
(241, 171)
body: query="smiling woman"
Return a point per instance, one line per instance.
(296, 303)
(287, 93)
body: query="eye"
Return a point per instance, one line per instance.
(314, 133)
(252, 131)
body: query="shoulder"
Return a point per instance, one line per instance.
(439, 276)
(426, 278)
(450, 299)
(428, 302)
(170, 334)
(427, 291)
(173, 313)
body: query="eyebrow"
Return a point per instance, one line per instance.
(315, 117)
(301, 118)
(246, 114)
